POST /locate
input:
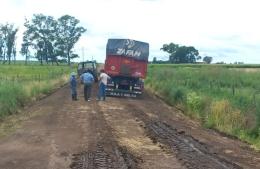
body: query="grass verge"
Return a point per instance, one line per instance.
(220, 97)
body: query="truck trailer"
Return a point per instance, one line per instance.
(126, 64)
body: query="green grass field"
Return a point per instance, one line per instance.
(20, 84)
(222, 97)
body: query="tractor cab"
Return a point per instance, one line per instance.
(88, 65)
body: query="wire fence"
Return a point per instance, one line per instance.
(28, 78)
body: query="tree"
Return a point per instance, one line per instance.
(3, 42)
(154, 60)
(14, 52)
(50, 38)
(7, 42)
(181, 54)
(68, 33)
(25, 49)
(2, 46)
(40, 34)
(207, 59)
(11, 43)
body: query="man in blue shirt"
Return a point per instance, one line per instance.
(87, 79)
(73, 86)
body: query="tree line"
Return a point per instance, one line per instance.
(51, 40)
(47, 39)
(181, 54)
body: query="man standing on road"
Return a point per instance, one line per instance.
(87, 79)
(103, 78)
(73, 86)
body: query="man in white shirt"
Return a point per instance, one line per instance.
(103, 78)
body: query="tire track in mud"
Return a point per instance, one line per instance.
(103, 151)
(97, 159)
(129, 134)
(100, 159)
(189, 151)
(193, 154)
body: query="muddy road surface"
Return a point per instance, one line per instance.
(119, 133)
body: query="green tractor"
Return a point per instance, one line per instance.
(88, 65)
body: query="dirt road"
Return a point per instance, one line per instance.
(117, 134)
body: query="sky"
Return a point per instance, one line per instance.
(227, 30)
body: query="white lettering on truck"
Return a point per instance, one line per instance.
(121, 51)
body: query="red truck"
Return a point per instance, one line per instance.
(126, 64)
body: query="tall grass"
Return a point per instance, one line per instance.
(20, 84)
(225, 98)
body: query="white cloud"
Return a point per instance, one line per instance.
(208, 25)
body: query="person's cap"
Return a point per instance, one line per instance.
(73, 74)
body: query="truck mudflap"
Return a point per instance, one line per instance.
(122, 93)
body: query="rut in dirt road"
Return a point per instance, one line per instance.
(91, 160)
(189, 151)
(103, 150)
(100, 159)
(193, 154)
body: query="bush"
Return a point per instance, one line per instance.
(178, 95)
(12, 96)
(194, 102)
(225, 118)
(197, 105)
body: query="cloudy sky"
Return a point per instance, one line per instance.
(228, 30)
